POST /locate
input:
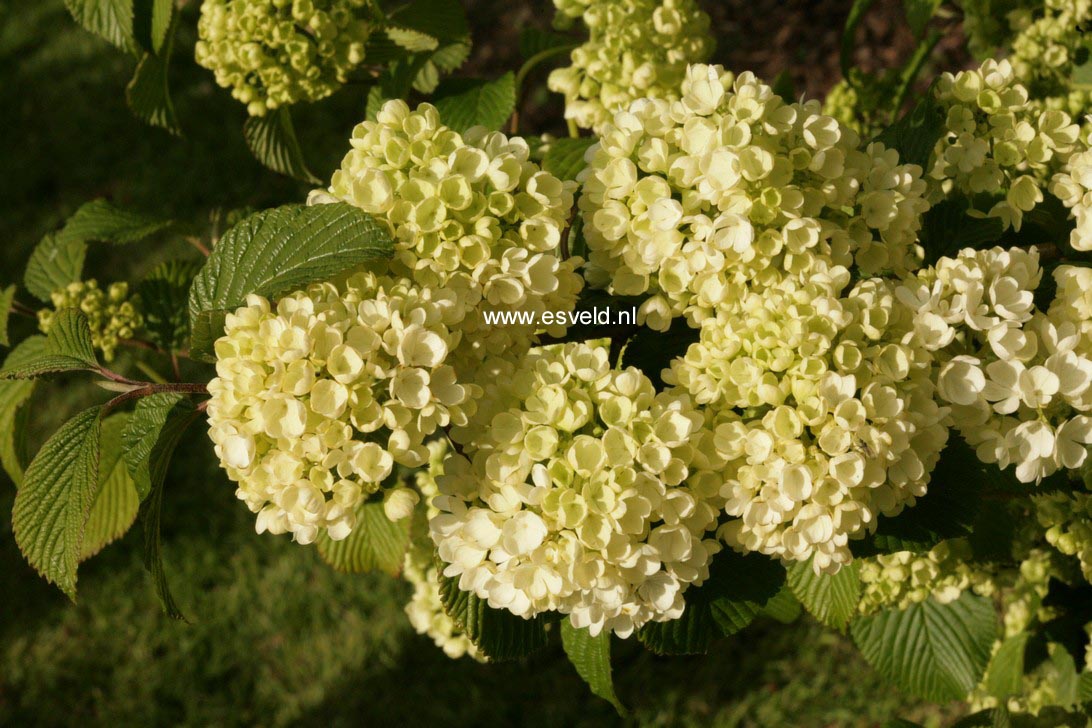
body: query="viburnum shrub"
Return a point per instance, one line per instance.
(721, 353)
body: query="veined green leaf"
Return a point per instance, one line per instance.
(499, 634)
(1005, 674)
(830, 598)
(67, 348)
(13, 395)
(412, 40)
(564, 158)
(116, 503)
(272, 140)
(375, 543)
(52, 505)
(275, 252)
(591, 658)
(464, 103)
(164, 295)
(111, 20)
(7, 298)
(56, 261)
(915, 135)
(102, 221)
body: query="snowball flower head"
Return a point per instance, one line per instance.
(579, 490)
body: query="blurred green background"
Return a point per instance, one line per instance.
(274, 636)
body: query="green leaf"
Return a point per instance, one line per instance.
(56, 261)
(591, 658)
(464, 102)
(164, 294)
(653, 351)
(272, 140)
(533, 41)
(111, 20)
(149, 94)
(116, 503)
(935, 651)
(916, 134)
(690, 634)
(564, 157)
(102, 221)
(162, 15)
(375, 101)
(1084, 686)
(52, 505)
(947, 510)
(947, 228)
(67, 348)
(919, 13)
(13, 416)
(278, 251)
(442, 19)
(7, 298)
(375, 544)
(450, 57)
(849, 33)
(154, 431)
(412, 40)
(830, 598)
(499, 634)
(783, 606)
(1064, 678)
(1005, 674)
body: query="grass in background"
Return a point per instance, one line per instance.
(275, 637)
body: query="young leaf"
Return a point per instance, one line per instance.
(102, 221)
(919, 13)
(464, 102)
(830, 598)
(162, 15)
(499, 634)
(1005, 674)
(116, 503)
(111, 20)
(783, 606)
(13, 395)
(67, 348)
(153, 432)
(56, 261)
(935, 651)
(591, 658)
(276, 252)
(915, 135)
(7, 297)
(564, 158)
(272, 140)
(164, 293)
(375, 544)
(52, 505)
(412, 40)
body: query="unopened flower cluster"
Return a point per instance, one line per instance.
(1045, 47)
(903, 578)
(1018, 380)
(317, 397)
(693, 202)
(281, 52)
(471, 214)
(635, 49)
(112, 314)
(997, 144)
(579, 490)
(1067, 518)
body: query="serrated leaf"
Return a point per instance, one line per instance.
(783, 606)
(272, 140)
(52, 505)
(67, 348)
(412, 40)
(499, 634)
(830, 598)
(102, 221)
(919, 13)
(164, 296)
(947, 228)
(947, 510)
(162, 15)
(153, 432)
(116, 502)
(653, 351)
(690, 634)
(441, 19)
(935, 651)
(564, 158)
(111, 20)
(849, 33)
(54, 263)
(7, 298)
(13, 415)
(1005, 674)
(149, 93)
(591, 658)
(915, 135)
(450, 57)
(278, 251)
(464, 103)
(375, 543)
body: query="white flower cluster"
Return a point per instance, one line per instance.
(425, 608)
(1073, 186)
(470, 214)
(897, 580)
(695, 201)
(635, 49)
(839, 422)
(1067, 518)
(1017, 380)
(996, 143)
(316, 399)
(1047, 43)
(273, 53)
(578, 489)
